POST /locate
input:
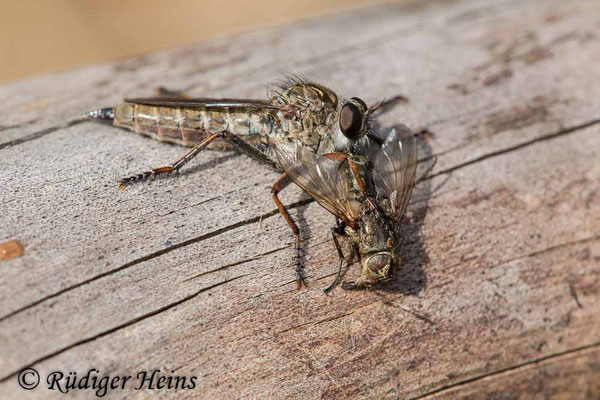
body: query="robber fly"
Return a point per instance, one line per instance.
(298, 112)
(368, 193)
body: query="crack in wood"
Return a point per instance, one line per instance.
(415, 314)
(525, 364)
(257, 257)
(546, 250)
(294, 205)
(519, 146)
(39, 134)
(118, 327)
(158, 253)
(315, 323)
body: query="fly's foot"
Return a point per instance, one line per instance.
(333, 285)
(359, 285)
(133, 179)
(122, 183)
(300, 279)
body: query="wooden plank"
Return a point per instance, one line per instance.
(510, 302)
(194, 274)
(456, 138)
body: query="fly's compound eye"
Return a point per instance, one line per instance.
(378, 262)
(352, 118)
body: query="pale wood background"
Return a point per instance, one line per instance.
(499, 295)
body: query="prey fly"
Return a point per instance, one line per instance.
(368, 194)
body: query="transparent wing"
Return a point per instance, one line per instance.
(327, 179)
(394, 170)
(202, 103)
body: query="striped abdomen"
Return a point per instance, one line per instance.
(189, 126)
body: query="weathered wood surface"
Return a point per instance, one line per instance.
(499, 295)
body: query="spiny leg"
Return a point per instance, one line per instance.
(167, 169)
(241, 146)
(281, 183)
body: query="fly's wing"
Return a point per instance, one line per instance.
(327, 180)
(202, 103)
(394, 170)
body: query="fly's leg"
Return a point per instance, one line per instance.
(334, 232)
(167, 169)
(281, 183)
(351, 285)
(341, 157)
(241, 146)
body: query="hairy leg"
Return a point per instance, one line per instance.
(281, 183)
(240, 146)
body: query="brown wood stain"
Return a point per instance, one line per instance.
(10, 249)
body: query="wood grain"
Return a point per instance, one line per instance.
(498, 296)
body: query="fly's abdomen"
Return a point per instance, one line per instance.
(190, 126)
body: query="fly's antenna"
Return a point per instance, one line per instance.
(376, 106)
(386, 105)
(101, 115)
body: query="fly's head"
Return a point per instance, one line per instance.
(376, 268)
(354, 119)
(357, 125)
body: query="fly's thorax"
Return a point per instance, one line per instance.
(307, 114)
(373, 235)
(305, 95)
